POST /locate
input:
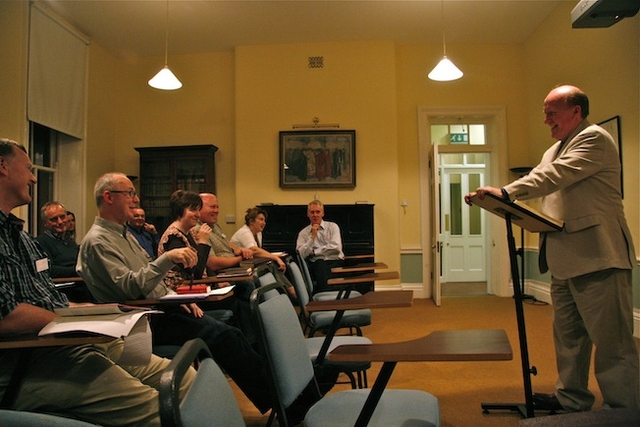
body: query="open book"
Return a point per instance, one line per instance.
(114, 320)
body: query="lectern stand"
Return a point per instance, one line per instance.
(535, 222)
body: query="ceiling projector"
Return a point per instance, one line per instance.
(602, 13)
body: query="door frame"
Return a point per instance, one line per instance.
(498, 276)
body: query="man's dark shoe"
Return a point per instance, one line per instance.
(546, 402)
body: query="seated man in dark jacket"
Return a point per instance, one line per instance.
(60, 247)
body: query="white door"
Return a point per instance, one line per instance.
(436, 245)
(463, 230)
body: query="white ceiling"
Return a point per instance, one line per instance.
(133, 28)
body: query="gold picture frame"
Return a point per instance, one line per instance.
(317, 159)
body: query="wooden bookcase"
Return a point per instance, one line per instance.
(166, 169)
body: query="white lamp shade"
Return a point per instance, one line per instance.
(445, 71)
(165, 80)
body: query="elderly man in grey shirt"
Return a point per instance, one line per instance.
(116, 268)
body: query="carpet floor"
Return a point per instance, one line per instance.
(462, 387)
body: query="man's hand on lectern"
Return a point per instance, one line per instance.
(481, 192)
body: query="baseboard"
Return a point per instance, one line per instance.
(542, 292)
(417, 288)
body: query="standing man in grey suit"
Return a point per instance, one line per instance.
(590, 259)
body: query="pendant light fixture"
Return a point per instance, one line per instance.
(445, 71)
(165, 79)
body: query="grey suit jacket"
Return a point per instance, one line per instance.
(579, 182)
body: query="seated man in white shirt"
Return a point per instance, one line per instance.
(321, 245)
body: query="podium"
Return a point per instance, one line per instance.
(535, 222)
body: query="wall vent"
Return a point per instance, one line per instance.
(316, 62)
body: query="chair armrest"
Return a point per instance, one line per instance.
(438, 346)
(169, 391)
(363, 278)
(386, 299)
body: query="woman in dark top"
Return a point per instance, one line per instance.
(185, 210)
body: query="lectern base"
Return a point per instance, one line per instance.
(521, 408)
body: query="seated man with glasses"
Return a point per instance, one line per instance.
(117, 269)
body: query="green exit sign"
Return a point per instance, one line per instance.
(459, 138)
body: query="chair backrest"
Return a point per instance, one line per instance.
(208, 402)
(306, 274)
(268, 279)
(298, 283)
(283, 345)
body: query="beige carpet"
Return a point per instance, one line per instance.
(461, 387)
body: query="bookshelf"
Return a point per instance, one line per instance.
(166, 169)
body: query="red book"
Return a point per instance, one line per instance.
(195, 289)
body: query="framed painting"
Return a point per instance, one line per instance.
(317, 159)
(612, 126)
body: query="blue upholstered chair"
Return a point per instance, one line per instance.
(314, 344)
(324, 295)
(10, 417)
(209, 402)
(291, 370)
(321, 320)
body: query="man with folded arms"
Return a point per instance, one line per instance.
(116, 269)
(86, 381)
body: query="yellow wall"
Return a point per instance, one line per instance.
(356, 89)
(202, 112)
(13, 71)
(102, 105)
(14, 31)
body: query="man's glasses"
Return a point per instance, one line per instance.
(130, 193)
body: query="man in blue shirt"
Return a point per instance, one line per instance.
(145, 233)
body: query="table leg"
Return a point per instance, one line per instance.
(375, 394)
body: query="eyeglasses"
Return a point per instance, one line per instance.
(130, 193)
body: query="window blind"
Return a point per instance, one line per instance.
(57, 74)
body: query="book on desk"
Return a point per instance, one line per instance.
(114, 320)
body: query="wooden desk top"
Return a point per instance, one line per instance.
(364, 278)
(33, 341)
(442, 346)
(365, 256)
(382, 299)
(365, 266)
(216, 279)
(177, 301)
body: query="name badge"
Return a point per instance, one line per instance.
(42, 265)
